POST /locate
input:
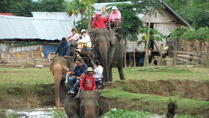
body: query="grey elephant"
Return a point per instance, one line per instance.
(89, 104)
(109, 50)
(58, 67)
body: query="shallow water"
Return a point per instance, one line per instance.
(45, 113)
(34, 113)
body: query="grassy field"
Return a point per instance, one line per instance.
(17, 82)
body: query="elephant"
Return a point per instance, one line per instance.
(89, 104)
(58, 67)
(109, 50)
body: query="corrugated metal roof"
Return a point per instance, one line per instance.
(47, 26)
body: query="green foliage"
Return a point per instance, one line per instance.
(58, 114)
(13, 115)
(25, 7)
(196, 12)
(130, 22)
(52, 5)
(191, 34)
(122, 113)
(83, 7)
(154, 35)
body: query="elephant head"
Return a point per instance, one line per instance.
(59, 67)
(89, 105)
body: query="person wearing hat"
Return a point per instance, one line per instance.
(74, 38)
(63, 48)
(115, 16)
(104, 13)
(88, 82)
(99, 22)
(85, 40)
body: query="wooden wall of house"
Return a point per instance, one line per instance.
(165, 23)
(22, 55)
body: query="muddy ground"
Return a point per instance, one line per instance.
(43, 95)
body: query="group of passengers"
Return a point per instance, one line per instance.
(79, 42)
(85, 77)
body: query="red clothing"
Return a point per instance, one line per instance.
(89, 83)
(100, 23)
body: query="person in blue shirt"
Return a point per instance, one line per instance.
(63, 48)
(76, 75)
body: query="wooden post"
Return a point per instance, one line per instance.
(175, 58)
(134, 56)
(27, 60)
(146, 61)
(125, 52)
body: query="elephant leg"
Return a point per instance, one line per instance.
(110, 73)
(62, 92)
(120, 69)
(110, 59)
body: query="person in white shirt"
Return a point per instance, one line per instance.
(98, 72)
(85, 40)
(74, 38)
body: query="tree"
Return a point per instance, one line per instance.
(147, 6)
(84, 8)
(190, 34)
(52, 5)
(196, 12)
(4, 6)
(23, 7)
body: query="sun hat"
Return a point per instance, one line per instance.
(114, 8)
(83, 30)
(89, 69)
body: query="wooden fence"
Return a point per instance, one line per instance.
(189, 58)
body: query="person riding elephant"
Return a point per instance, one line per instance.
(63, 48)
(76, 76)
(89, 104)
(108, 54)
(58, 67)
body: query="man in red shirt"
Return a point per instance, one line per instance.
(99, 22)
(88, 82)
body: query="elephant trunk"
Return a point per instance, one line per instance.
(57, 79)
(103, 52)
(90, 112)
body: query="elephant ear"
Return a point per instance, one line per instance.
(104, 105)
(72, 107)
(92, 36)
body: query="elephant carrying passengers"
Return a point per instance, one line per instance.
(76, 75)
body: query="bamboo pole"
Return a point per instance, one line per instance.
(146, 61)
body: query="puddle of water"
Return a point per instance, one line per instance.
(46, 113)
(35, 113)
